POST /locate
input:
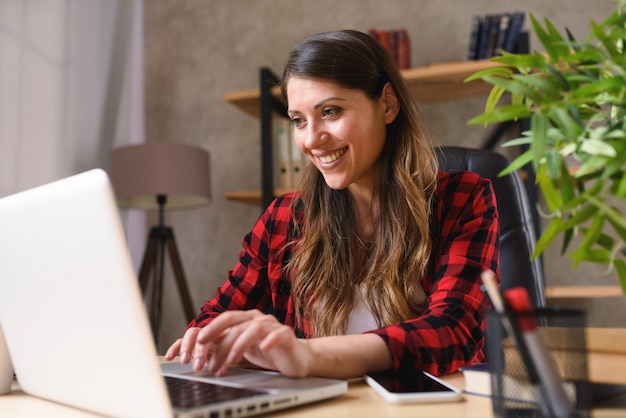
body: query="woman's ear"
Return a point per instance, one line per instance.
(390, 100)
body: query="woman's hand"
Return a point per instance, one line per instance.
(251, 335)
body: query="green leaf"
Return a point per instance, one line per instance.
(592, 165)
(593, 233)
(513, 86)
(539, 130)
(562, 119)
(621, 188)
(517, 163)
(561, 47)
(613, 215)
(605, 241)
(580, 217)
(539, 84)
(556, 74)
(493, 71)
(524, 140)
(544, 38)
(522, 60)
(567, 239)
(608, 44)
(598, 147)
(572, 40)
(588, 55)
(553, 198)
(567, 183)
(502, 114)
(599, 86)
(594, 190)
(553, 163)
(619, 228)
(493, 98)
(548, 235)
(574, 114)
(592, 256)
(620, 267)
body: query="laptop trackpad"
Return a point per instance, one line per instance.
(242, 377)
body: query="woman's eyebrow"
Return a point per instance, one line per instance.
(320, 103)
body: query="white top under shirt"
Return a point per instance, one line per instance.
(361, 319)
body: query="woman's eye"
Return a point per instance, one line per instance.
(330, 111)
(297, 121)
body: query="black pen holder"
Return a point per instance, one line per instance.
(516, 374)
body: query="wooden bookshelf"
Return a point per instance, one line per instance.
(434, 82)
(583, 292)
(251, 197)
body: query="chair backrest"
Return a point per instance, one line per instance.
(517, 231)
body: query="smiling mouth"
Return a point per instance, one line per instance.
(329, 158)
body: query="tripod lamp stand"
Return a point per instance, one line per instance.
(160, 176)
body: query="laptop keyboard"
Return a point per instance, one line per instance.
(191, 393)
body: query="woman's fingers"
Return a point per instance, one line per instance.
(237, 335)
(240, 339)
(173, 350)
(225, 321)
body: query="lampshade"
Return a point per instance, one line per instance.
(141, 172)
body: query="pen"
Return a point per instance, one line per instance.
(551, 382)
(499, 304)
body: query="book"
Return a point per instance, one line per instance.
(515, 28)
(483, 38)
(403, 46)
(515, 387)
(477, 379)
(503, 28)
(397, 43)
(392, 47)
(492, 33)
(472, 50)
(494, 28)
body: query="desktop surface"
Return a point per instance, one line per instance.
(362, 401)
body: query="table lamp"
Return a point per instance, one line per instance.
(159, 176)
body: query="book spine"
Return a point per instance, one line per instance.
(403, 46)
(393, 45)
(515, 28)
(383, 38)
(483, 38)
(494, 25)
(472, 50)
(505, 19)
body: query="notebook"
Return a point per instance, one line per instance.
(76, 327)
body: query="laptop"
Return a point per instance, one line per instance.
(76, 327)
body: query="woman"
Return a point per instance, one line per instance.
(375, 264)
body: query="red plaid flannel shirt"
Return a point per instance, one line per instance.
(449, 333)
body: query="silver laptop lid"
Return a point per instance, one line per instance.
(70, 306)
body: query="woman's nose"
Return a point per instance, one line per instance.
(315, 137)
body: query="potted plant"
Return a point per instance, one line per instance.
(574, 95)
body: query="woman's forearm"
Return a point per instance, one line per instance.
(348, 356)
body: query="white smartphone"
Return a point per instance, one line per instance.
(412, 387)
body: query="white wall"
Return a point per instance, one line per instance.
(66, 95)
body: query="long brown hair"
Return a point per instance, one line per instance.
(331, 265)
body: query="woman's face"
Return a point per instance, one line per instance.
(340, 130)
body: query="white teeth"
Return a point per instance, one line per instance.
(332, 157)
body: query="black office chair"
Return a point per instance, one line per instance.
(517, 231)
